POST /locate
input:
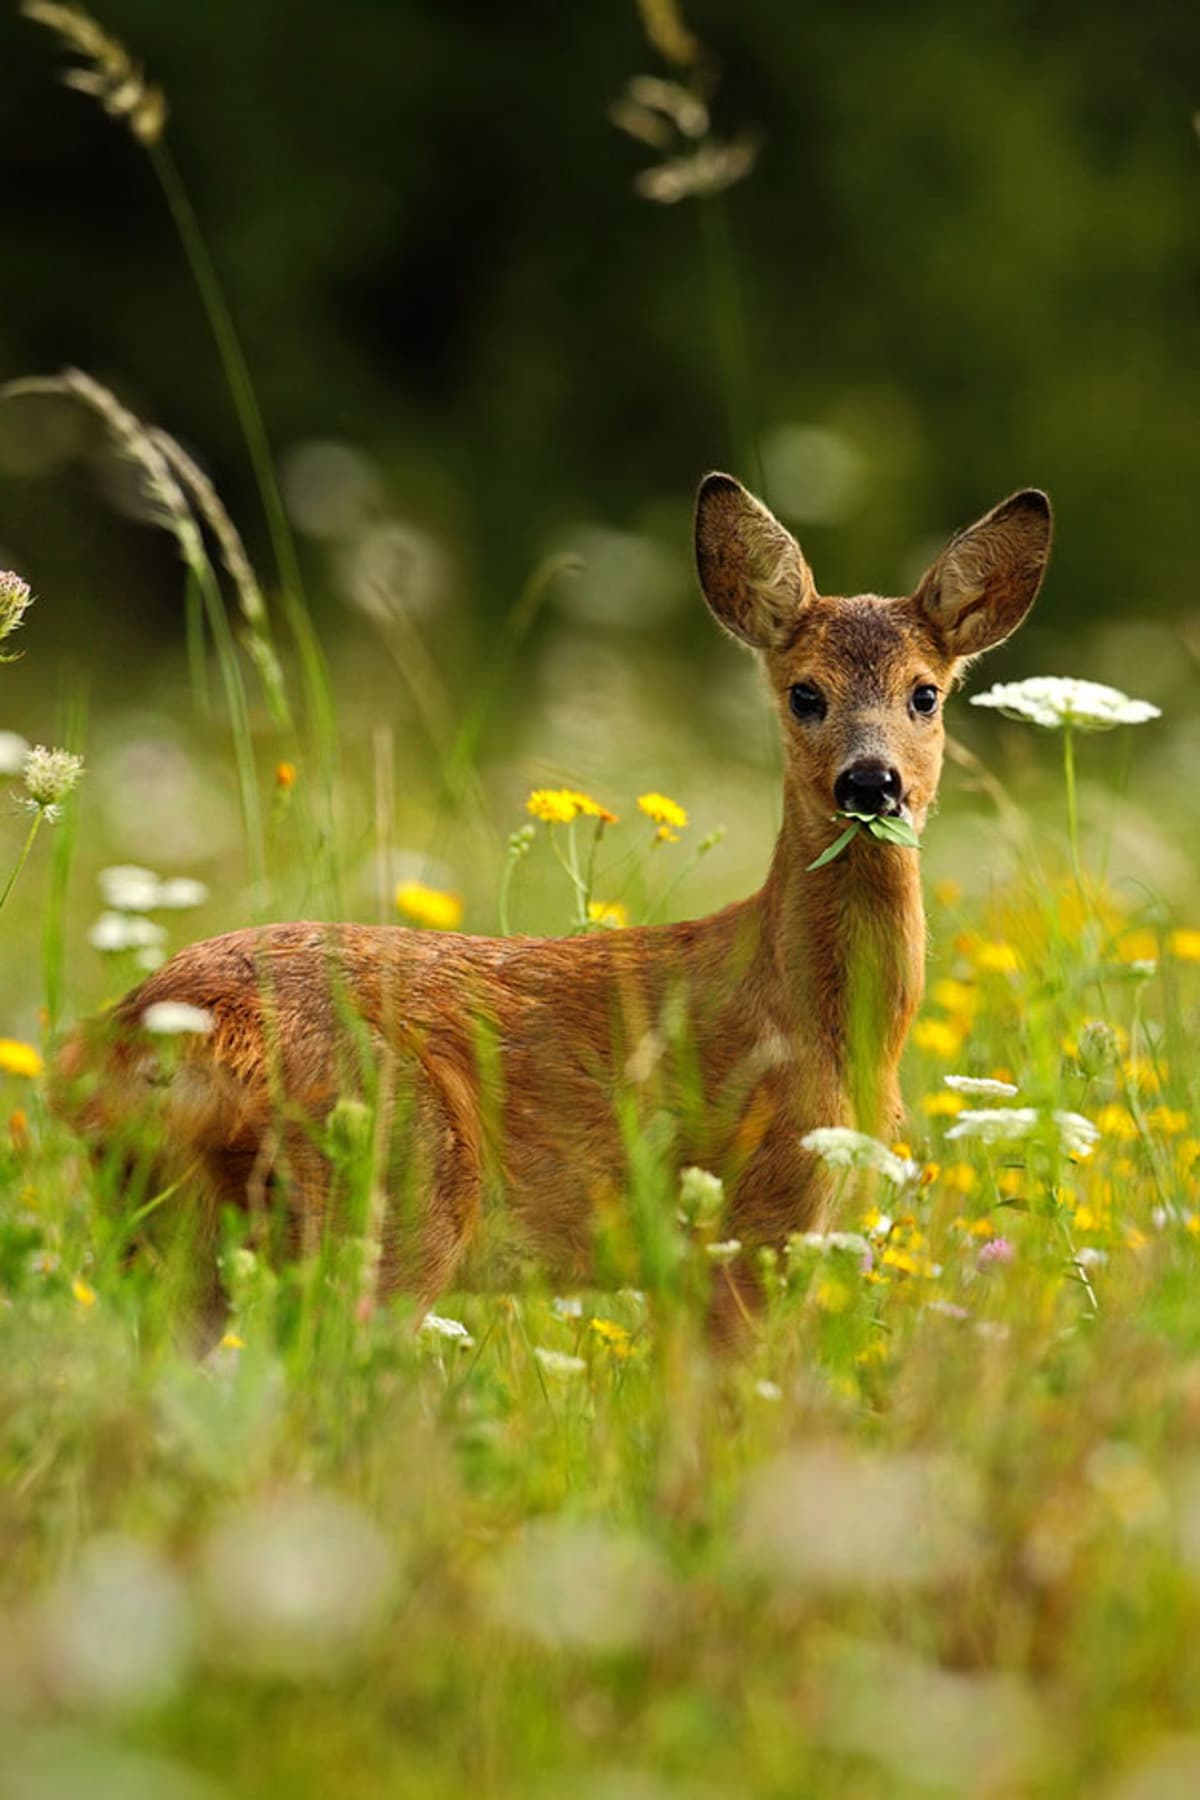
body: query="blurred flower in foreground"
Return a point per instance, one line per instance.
(17, 1058)
(701, 1197)
(117, 1630)
(434, 1325)
(1076, 1135)
(14, 749)
(578, 1586)
(15, 598)
(980, 1086)
(842, 1148)
(829, 1517)
(558, 1362)
(560, 806)
(129, 888)
(49, 776)
(113, 932)
(175, 1018)
(428, 906)
(1060, 700)
(293, 1581)
(613, 914)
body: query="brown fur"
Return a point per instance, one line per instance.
(505, 1059)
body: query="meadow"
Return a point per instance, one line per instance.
(936, 1529)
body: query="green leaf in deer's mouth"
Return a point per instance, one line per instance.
(885, 830)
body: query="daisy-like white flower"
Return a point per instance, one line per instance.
(982, 1087)
(127, 888)
(557, 1362)
(1056, 701)
(13, 751)
(852, 1241)
(180, 892)
(723, 1253)
(842, 1148)
(114, 932)
(50, 775)
(175, 1018)
(434, 1325)
(1011, 1124)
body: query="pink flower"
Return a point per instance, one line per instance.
(996, 1250)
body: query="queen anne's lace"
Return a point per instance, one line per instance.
(1056, 701)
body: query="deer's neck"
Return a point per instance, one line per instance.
(846, 943)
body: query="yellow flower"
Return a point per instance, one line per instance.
(1116, 1121)
(664, 835)
(997, 958)
(1138, 946)
(559, 806)
(429, 906)
(942, 1105)
(955, 996)
(896, 1257)
(959, 1177)
(85, 1295)
(1185, 944)
(231, 1341)
(832, 1296)
(947, 893)
(877, 1351)
(608, 912)
(938, 1036)
(1011, 1183)
(285, 775)
(19, 1059)
(663, 811)
(1167, 1119)
(615, 1337)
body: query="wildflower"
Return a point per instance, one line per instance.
(844, 1149)
(557, 1362)
(768, 1390)
(1116, 1121)
(567, 1306)
(15, 599)
(1011, 1124)
(285, 776)
(50, 775)
(431, 907)
(1056, 701)
(231, 1341)
(832, 1296)
(959, 1178)
(980, 1087)
(114, 932)
(996, 1250)
(14, 749)
(663, 811)
(998, 959)
(955, 996)
(1097, 1047)
(18, 1128)
(175, 1018)
(1167, 1119)
(1185, 944)
(615, 1338)
(613, 914)
(938, 1036)
(85, 1294)
(128, 888)
(723, 1253)
(18, 1059)
(947, 893)
(181, 892)
(701, 1197)
(436, 1326)
(561, 806)
(941, 1106)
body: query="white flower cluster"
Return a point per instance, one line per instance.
(13, 751)
(1060, 700)
(981, 1086)
(1076, 1135)
(129, 892)
(176, 1018)
(842, 1148)
(49, 776)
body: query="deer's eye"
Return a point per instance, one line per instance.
(925, 699)
(807, 702)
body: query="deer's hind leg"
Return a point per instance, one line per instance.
(435, 1185)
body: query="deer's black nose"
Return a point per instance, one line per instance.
(868, 787)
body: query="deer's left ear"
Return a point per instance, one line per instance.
(987, 578)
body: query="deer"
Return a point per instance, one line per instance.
(502, 1061)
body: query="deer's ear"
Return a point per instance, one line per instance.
(987, 578)
(752, 570)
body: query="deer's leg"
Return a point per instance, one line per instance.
(437, 1195)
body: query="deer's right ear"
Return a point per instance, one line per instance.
(752, 571)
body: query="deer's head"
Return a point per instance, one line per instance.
(860, 682)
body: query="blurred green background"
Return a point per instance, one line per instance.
(966, 259)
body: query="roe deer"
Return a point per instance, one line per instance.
(794, 1003)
